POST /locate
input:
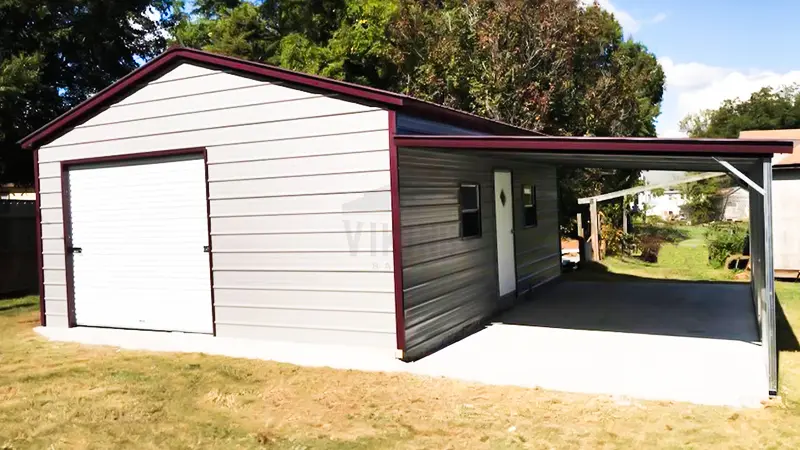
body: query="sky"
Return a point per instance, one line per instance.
(712, 50)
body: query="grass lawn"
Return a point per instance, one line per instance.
(56, 395)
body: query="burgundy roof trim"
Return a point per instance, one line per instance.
(166, 60)
(600, 144)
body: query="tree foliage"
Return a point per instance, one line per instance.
(702, 199)
(55, 53)
(766, 109)
(547, 65)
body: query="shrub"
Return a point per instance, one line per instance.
(617, 242)
(723, 240)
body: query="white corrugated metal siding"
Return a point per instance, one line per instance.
(299, 201)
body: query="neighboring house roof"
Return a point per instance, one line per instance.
(172, 57)
(780, 161)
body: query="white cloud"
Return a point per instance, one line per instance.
(660, 17)
(693, 87)
(629, 23)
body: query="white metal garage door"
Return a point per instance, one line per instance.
(138, 232)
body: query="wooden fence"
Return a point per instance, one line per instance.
(18, 268)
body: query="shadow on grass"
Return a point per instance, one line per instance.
(13, 305)
(785, 337)
(662, 233)
(593, 271)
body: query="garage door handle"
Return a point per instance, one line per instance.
(206, 248)
(75, 250)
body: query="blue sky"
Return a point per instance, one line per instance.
(714, 49)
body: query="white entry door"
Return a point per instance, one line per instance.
(504, 217)
(139, 232)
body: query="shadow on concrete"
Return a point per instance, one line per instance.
(603, 301)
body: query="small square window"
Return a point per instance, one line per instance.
(529, 216)
(469, 199)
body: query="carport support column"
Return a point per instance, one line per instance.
(769, 325)
(595, 230)
(762, 265)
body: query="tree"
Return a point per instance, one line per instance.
(703, 199)
(548, 65)
(766, 109)
(55, 53)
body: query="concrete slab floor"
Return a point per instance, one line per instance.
(691, 342)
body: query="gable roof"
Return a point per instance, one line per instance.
(175, 56)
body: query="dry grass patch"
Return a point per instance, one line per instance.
(71, 396)
(55, 395)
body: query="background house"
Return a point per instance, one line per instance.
(785, 201)
(667, 205)
(734, 204)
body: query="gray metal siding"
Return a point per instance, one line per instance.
(300, 202)
(449, 283)
(538, 249)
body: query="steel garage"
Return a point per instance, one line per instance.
(207, 194)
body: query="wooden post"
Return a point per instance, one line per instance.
(580, 225)
(624, 217)
(595, 230)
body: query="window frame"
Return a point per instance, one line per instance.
(462, 211)
(525, 207)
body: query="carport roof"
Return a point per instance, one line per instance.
(636, 153)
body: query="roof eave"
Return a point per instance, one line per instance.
(599, 144)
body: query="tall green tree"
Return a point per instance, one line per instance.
(55, 53)
(766, 109)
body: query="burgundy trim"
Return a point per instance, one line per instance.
(326, 84)
(171, 57)
(65, 165)
(397, 238)
(134, 156)
(39, 256)
(210, 247)
(597, 144)
(66, 224)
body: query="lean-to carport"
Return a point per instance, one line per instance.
(746, 161)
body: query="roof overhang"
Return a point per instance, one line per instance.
(172, 57)
(620, 153)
